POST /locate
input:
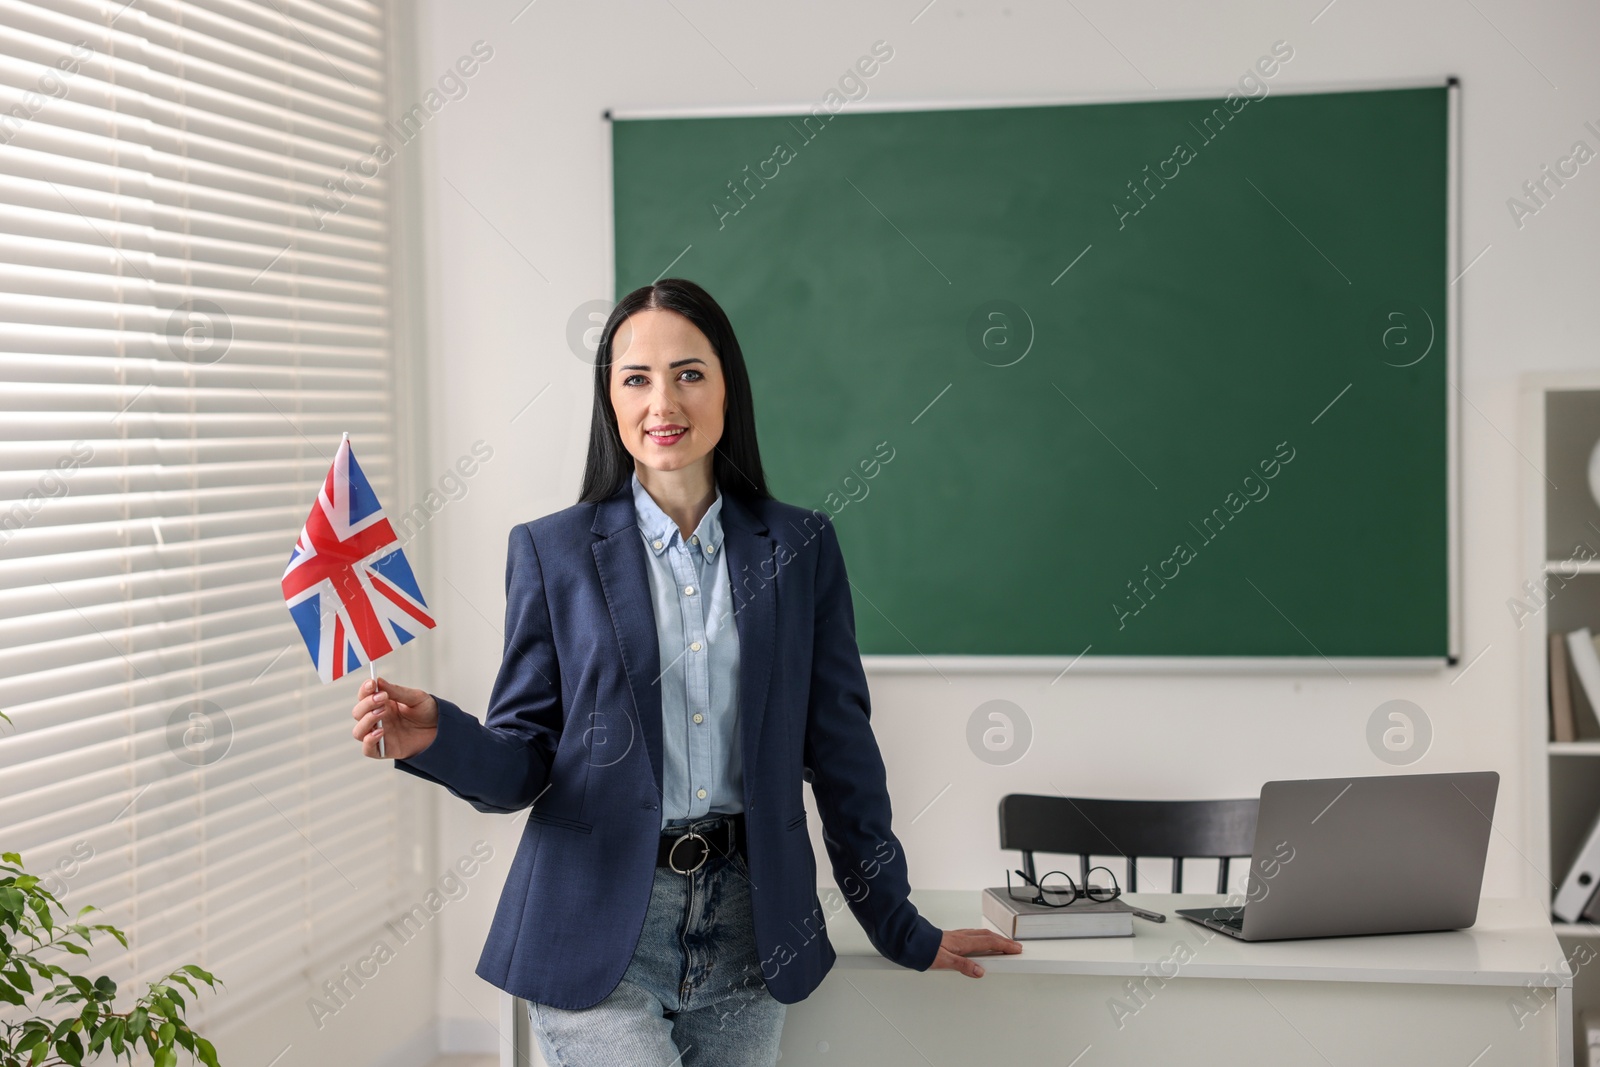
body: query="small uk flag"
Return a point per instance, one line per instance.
(348, 585)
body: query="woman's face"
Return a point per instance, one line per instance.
(666, 377)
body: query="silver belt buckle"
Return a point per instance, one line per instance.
(673, 852)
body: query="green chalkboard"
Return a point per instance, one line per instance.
(1039, 362)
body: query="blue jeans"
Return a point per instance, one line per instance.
(692, 994)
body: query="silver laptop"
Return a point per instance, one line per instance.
(1391, 854)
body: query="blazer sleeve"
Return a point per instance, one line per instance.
(503, 763)
(846, 771)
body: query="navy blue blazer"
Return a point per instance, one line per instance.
(574, 729)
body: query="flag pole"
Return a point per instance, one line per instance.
(373, 669)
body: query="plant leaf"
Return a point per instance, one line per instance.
(70, 1049)
(114, 932)
(205, 976)
(101, 1032)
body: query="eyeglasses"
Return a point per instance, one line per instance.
(1056, 889)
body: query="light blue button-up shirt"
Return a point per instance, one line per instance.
(701, 767)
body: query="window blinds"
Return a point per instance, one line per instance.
(193, 306)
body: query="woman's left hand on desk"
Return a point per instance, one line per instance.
(957, 945)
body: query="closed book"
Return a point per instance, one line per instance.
(1021, 921)
(1563, 725)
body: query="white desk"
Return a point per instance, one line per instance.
(1413, 999)
(1497, 995)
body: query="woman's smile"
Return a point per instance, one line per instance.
(666, 435)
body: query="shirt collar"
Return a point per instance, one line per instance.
(659, 529)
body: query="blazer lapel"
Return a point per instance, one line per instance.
(752, 567)
(619, 558)
(752, 572)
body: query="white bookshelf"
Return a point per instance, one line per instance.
(1571, 930)
(1563, 777)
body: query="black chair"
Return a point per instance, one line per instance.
(1179, 829)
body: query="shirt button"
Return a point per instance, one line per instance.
(694, 539)
(701, 793)
(657, 544)
(688, 590)
(698, 717)
(695, 647)
(711, 550)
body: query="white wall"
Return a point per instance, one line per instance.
(517, 229)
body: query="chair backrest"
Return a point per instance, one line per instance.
(1179, 829)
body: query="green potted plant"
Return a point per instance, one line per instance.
(28, 927)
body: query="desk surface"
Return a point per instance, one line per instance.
(1511, 943)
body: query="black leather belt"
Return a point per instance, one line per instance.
(685, 849)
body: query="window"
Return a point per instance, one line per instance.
(194, 303)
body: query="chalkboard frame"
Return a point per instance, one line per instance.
(1058, 665)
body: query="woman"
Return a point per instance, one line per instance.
(679, 655)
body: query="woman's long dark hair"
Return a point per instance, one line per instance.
(736, 459)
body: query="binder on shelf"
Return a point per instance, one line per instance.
(1586, 665)
(1563, 724)
(1589, 1026)
(1591, 914)
(1578, 887)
